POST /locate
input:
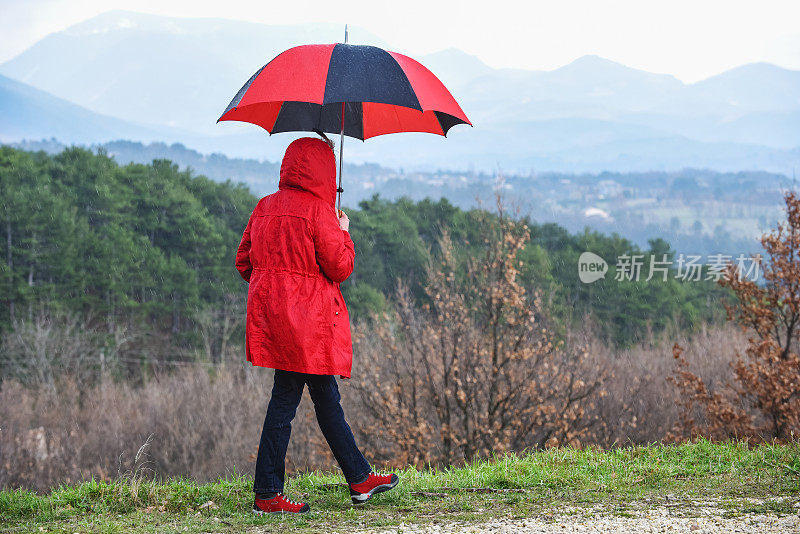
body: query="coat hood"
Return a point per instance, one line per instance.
(309, 164)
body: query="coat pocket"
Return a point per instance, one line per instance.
(336, 309)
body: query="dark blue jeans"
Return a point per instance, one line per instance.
(286, 394)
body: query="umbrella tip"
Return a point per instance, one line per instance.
(345, 33)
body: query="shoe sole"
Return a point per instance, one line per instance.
(361, 498)
(279, 512)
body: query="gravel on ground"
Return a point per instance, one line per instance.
(656, 519)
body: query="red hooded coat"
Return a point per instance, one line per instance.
(294, 255)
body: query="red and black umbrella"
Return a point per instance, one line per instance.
(354, 90)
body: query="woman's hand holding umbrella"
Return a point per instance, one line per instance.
(344, 221)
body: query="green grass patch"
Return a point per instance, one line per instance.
(512, 485)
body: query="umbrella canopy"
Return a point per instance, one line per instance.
(363, 91)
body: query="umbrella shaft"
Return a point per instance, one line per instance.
(341, 147)
(341, 143)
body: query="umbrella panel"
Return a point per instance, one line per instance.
(362, 120)
(307, 117)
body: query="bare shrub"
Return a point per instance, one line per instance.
(41, 349)
(205, 421)
(217, 324)
(473, 371)
(46, 345)
(639, 405)
(199, 423)
(761, 400)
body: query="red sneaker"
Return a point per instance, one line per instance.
(279, 504)
(361, 492)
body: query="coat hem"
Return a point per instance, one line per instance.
(317, 371)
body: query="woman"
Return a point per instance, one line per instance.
(294, 253)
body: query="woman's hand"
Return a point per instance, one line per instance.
(344, 221)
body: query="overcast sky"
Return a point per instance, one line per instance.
(691, 39)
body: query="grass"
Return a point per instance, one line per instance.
(763, 479)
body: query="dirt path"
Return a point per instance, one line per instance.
(699, 519)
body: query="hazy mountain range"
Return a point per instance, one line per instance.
(146, 77)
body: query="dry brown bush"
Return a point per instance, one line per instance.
(46, 346)
(760, 400)
(195, 423)
(474, 370)
(640, 405)
(204, 421)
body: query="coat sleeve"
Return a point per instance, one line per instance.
(243, 264)
(333, 247)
